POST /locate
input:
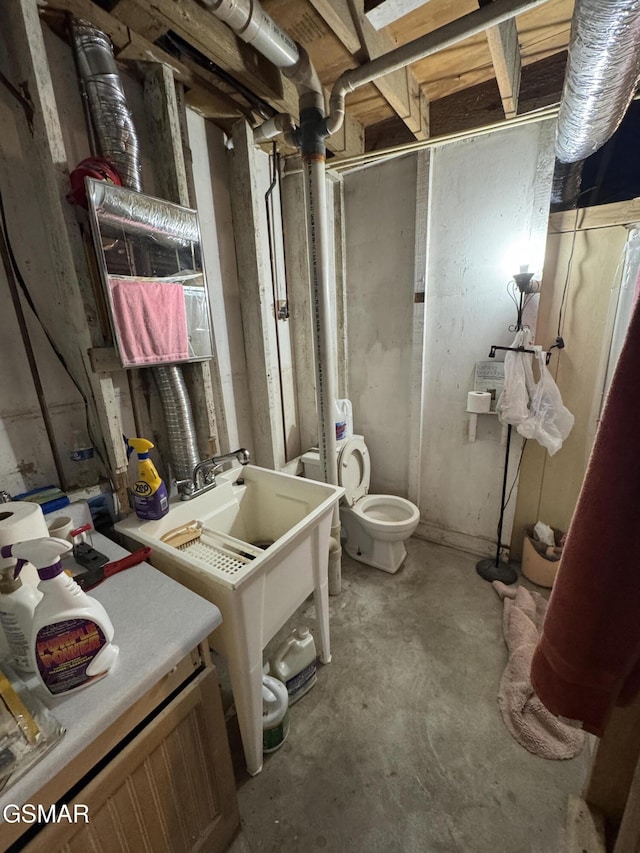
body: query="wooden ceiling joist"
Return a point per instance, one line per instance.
(541, 86)
(381, 13)
(505, 55)
(215, 41)
(400, 89)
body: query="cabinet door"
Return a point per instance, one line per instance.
(170, 790)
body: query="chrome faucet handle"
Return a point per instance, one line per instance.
(242, 455)
(184, 485)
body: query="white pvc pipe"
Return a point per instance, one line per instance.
(456, 31)
(251, 23)
(316, 201)
(272, 127)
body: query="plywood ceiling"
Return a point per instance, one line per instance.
(479, 79)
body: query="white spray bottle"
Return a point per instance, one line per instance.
(71, 638)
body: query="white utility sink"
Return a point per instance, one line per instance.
(256, 594)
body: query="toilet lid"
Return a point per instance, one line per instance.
(354, 469)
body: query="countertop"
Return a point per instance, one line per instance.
(157, 622)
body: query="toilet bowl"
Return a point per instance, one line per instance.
(375, 526)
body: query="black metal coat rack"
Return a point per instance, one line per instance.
(492, 569)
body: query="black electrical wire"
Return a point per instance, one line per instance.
(268, 201)
(566, 280)
(573, 245)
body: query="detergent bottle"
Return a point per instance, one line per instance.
(150, 499)
(71, 636)
(17, 605)
(294, 663)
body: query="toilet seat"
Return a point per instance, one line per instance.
(354, 469)
(387, 514)
(375, 527)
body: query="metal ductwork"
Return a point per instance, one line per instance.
(602, 74)
(181, 430)
(565, 189)
(135, 213)
(102, 88)
(117, 140)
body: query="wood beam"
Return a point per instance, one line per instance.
(256, 300)
(210, 36)
(541, 86)
(505, 55)
(216, 42)
(400, 89)
(68, 304)
(131, 47)
(381, 13)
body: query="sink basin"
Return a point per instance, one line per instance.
(281, 526)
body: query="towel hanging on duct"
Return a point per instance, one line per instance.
(588, 657)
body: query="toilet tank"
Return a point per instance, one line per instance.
(311, 465)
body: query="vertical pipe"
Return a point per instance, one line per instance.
(316, 198)
(317, 235)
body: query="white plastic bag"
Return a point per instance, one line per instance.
(549, 421)
(513, 404)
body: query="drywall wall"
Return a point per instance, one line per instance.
(489, 195)
(481, 197)
(379, 227)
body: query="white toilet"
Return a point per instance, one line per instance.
(376, 526)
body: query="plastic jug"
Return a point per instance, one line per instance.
(343, 419)
(275, 714)
(295, 663)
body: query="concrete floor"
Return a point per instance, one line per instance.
(400, 746)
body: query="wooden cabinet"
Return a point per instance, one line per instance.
(169, 788)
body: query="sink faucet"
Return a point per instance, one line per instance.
(204, 474)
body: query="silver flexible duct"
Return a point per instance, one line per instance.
(603, 70)
(136, 213)
(565, 188)
(118, 142)
(181, 429)
(107, 103)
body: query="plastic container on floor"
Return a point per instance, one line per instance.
(275, 714)
(295, 663)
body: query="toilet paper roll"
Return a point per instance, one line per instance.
(478, 402)
(20, 520)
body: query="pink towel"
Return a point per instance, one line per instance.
(151, 319)
(588, 657)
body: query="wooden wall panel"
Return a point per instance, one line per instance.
(549, 486)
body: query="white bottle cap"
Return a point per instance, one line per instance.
(303, 632)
